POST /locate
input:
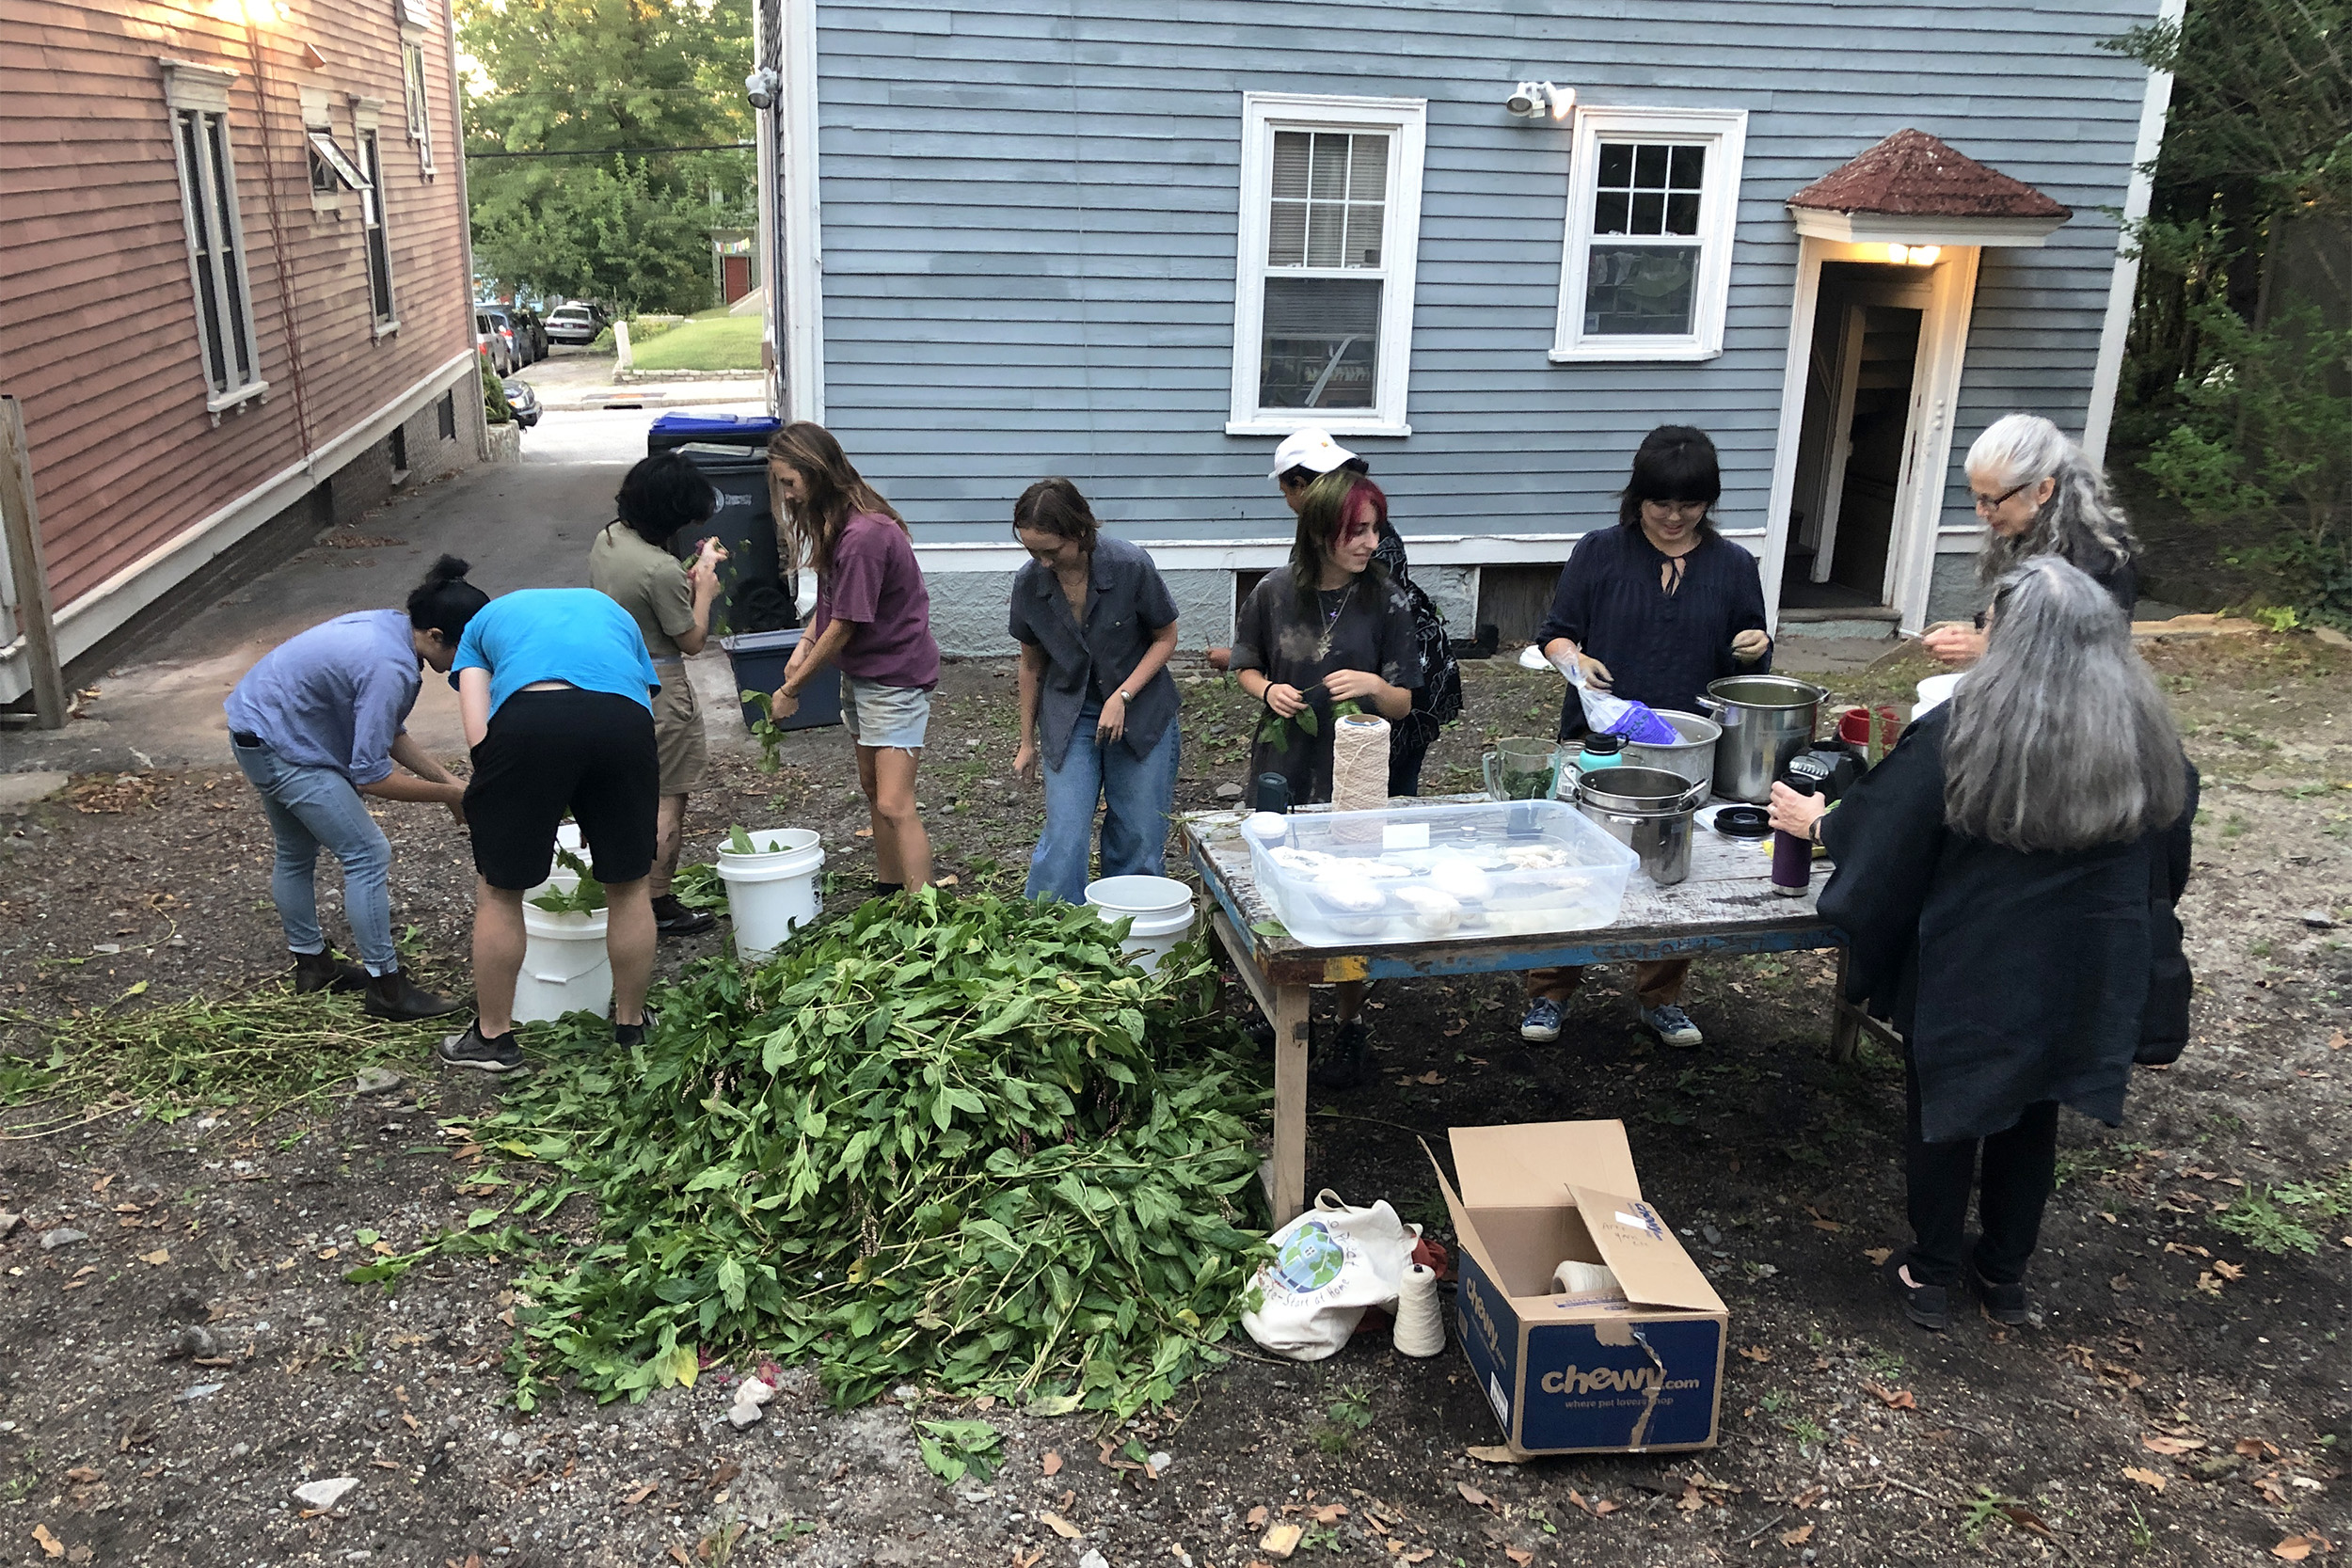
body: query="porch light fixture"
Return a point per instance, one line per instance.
(1913, 255)
(1541, 99)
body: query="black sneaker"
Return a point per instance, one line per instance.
(324, 971)
(1346, 1063)
(498, 1057)
(396, 997)
(633, 1034)
(2003, 1303)
(674, 919)
(1929, 1306)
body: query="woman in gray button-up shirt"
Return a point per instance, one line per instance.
(1096, 627)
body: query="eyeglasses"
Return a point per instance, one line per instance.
(1992, 504)
(1678, 509)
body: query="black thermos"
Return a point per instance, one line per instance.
(1792, 856)
(1273, 793)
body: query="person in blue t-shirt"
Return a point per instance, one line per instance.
(318, 724)
(556, 689)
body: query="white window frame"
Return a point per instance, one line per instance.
(1405, 122)
(204, 91)
(416, 92)
(1723, 134)
(367, 119)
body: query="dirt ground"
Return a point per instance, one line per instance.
(2181, 1399)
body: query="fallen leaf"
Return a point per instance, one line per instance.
(2210, 1283)
(1052, 1464)
(2171, 1446)
(1495, 1453)
(2026, 1518)
(1473, 1496)
(1421, 1554)
(1519, 1555)
(641, 1493)
(1754, 1353)
(1430, 1078)
(2149, 1479)
(2120, 1283)
(683, 1561)
(157, 1258)
(1797, 1536)
(2295, 1548)
(1894, 1399)
(2255, 1448)
(2227, 1270)
(1258, 1516)
(1281, 1540)
(1807, 1497)
(328, 1251)
(2272, 1493)
(1602, 1508)
(1027, 1560)
(949, 881)
(862, 833)
(1691, 1500)
(82, 1475)
(1331, 1514)
(1877, 1255)
(49, 1544)
(1059, 1525)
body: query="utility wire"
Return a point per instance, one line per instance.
(611, 151)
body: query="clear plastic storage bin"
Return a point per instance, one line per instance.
(1437, 873)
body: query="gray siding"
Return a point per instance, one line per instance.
(1029, 228)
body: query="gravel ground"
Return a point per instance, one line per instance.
(170, 1378)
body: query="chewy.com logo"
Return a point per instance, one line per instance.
(1604, 1379)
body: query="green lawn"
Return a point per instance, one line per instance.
(705, 344)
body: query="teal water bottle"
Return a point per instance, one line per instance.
(1601, 749)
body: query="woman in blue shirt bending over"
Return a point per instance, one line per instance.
(556, 690)
(1654, 607)
(318, 724)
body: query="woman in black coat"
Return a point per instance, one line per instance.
(2004, 881)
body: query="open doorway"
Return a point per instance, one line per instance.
(1855, 442)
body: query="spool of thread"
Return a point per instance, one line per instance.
(1359, 763)
(1586, 1280)
(1420, 1322)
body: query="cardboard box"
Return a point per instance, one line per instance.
(1578, 1374)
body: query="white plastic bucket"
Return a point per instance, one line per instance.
(773, 891)
(565, 968)
(1934, 691)
(1160, 908)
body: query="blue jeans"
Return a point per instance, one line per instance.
(1136, 794)
(310, 808)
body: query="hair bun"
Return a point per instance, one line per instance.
(448, 569)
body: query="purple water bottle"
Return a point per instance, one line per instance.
(1792, 856)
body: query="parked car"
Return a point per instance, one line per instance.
(493, 344)
(528, 320)
(574, 323)
(518, 339)
(523, 401)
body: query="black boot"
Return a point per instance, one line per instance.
(1346, 1062)
(324, 971)
(393, 996)
(674, 919)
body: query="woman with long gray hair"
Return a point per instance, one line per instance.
(2040, 494)
(2005, 880)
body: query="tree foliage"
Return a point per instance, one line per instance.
(590, 77)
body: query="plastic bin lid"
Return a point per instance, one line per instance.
(760, 641)
(733, 425)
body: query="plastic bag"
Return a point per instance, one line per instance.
(1329, 1265)
(1614, 715)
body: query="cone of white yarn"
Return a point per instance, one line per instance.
(1359, 763)
(1420, 1321)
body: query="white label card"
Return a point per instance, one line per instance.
(1405, 835)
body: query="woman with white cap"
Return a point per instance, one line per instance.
(1305, 456)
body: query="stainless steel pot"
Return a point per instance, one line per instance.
(1692, 756)
(1649, 811)
(1766, 719)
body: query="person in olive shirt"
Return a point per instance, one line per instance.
(631, 563)
(1096, 626)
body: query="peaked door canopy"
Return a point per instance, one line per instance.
(1916, 189)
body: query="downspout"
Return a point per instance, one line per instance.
(478, 421)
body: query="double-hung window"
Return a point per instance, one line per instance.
(1653, 196)
(1329, 226)
(198, 97)
(366, 119)
(420, 100)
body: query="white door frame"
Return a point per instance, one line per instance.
(1831, 499)
(1934, 390)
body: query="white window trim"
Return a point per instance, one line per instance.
(367, 119)
(318, 115)
(1725, 131)
(417, 96)
(205, 91)
(1407, 122)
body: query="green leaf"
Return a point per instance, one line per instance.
(731, 1283)
(480, 1217)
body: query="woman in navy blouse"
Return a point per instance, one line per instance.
(1655, 608)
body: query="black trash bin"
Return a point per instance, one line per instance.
(755, 594)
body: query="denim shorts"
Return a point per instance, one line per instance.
(887, 718)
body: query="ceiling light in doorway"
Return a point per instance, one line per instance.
(1913, 255)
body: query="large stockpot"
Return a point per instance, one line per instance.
(1766, 721)
(1649, 811)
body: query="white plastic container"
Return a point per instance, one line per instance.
(771, 892)
(565, 968)
(1160, 908)
(1432, 872)
(1934, 691)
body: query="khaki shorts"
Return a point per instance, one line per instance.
(677, 731)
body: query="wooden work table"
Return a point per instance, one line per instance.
(1726, 904)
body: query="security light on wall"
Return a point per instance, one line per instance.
(1540, 101)
(760, 88)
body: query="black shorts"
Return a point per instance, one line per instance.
(587, 752)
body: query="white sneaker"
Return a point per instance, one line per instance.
(1674, 1026)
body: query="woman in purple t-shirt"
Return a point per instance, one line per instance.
(873, 619)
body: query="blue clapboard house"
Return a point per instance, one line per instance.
(1486, 245)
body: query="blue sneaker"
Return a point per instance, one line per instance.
(1541, 1021)
(1674, 1026)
